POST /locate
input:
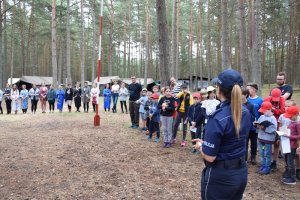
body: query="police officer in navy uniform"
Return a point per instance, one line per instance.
(224, 144)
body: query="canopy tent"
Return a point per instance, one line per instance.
(29, 80)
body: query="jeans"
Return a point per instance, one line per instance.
(290, 164)
(123, 103)
(134, 112)
(115, 100)
(33, 105)
(180, 116)
(167, 123)
(154, 127)
(217, 183)
(253, 139)
(265, 151)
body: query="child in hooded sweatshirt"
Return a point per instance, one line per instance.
(267, 126)
(196, 117)
(154, 118)
(142, 102)
(289, 177)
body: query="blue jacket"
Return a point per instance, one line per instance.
(155, 112)
(196, 114)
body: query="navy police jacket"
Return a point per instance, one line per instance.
(220, 139)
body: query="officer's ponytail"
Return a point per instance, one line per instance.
(236, 107)
(234, 95)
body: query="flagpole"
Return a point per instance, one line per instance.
(97, 116)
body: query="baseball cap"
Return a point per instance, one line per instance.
(210, 88)
(254, 85)
(265, 106)
(196, 95)
(144, 89)
(155, 96)
(228, 78)
(276, 94)
(291, 111)
(183, 86)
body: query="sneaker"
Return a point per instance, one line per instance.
(273, 166)
(144, 129)
(260, 169)
(193, 151)
(168, 145)
(182, 143)
(165, 145)
(174, 141)
(265, 171)
(156, 139)
(132, 126)
(288, 181)
(149, 138)
(135, 126)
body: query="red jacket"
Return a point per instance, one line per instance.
(278, 107)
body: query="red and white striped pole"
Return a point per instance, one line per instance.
(97, 116)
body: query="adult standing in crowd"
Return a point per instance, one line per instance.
(286, 90)
(69, 96)
(77, 96)
(34, 93)
(43, 97)
(51, 96)
(86, 95)
(94, 96)
(115, 89)
(24, 95)
(134, 94)
(174, 86)
(107, 99)
(7, 91)
(1, 97)
(223, 149)
(15, 104)
(60, 95)
(256, 101)
(123, 97)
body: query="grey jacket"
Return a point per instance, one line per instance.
(86, 94)
(270, 132)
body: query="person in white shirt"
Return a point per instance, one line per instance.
(115, 89)
(211, 103)
(123, 97)
(94, 95)
(15, 104)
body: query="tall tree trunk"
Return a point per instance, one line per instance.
(22, 34)
(94, 38)
(147, 12)
(243, 45)
(68, 43)
(174, 41)
(12, 53)
(225, 39)
(177, 40)
(190, 53)
(163, 42)
(219, 38)
(53, 43)
(256, 44)
(1, 47)
(82, 79)
(60, 62)
(125, 46)
(111, 32)
(199, 46)
(208, 52)
(5, 69)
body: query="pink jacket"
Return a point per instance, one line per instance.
(295, 134)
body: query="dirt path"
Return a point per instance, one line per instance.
(62, 156)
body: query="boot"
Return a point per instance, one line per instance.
(298, 174)
(253, 159)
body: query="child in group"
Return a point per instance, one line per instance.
(147, 108)
(196, 118)
(154, 118)
(142, 102)
(267, 126)
(155, 90)
(211, 103)
(167, 107)
(290, 175)
(250, 107)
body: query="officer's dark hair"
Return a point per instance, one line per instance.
(245, 92)
(234, 95)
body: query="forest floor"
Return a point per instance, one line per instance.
(63, 156)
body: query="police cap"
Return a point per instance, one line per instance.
(228, 78)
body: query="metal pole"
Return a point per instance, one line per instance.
(97, 116)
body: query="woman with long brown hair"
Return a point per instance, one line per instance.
(224, 145)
